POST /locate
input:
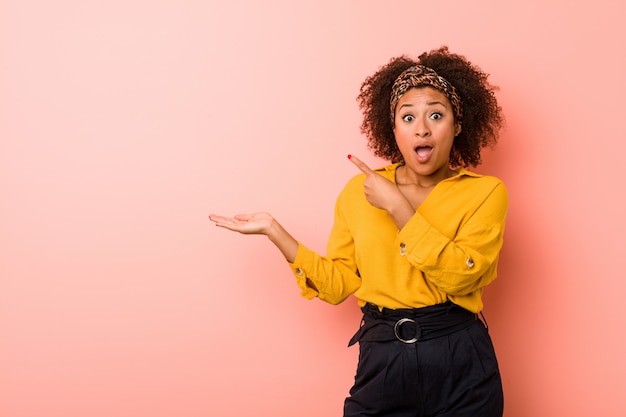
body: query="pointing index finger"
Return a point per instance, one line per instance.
(361, 165)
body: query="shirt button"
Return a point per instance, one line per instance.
(299, 271)
(402, 249)
(469, 262)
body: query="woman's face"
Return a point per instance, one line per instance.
(424, 129)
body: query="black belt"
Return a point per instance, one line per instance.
(410, 325)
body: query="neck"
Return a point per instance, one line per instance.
(406, 176)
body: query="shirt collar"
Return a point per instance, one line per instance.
(390, 171)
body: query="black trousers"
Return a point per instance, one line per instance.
(449, 371)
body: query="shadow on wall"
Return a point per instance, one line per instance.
(518, 306)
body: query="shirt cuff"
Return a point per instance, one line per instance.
(420, 242)
(301, 264)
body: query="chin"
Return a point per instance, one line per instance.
(426, 170)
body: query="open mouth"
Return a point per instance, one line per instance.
(423, 152)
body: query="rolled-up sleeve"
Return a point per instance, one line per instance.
(334, 277)
(466, 261)
(322, 277)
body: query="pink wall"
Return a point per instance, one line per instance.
(123, 123)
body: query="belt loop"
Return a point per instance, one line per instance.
(484, 320)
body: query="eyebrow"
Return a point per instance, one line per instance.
(430, 103)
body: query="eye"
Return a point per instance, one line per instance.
(408, 118)
(436, 116)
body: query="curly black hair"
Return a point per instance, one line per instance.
(482, 116)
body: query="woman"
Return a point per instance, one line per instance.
(416, 242)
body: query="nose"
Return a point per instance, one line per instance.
(421, 128)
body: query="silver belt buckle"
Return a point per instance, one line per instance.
(397, 326)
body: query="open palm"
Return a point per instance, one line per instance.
(248, 224)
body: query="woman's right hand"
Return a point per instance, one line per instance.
(260, 223)
(248, 224)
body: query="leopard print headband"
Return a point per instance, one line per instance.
(421, 76)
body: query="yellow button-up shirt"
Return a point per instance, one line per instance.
(447, 251)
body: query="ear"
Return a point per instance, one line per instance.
(457, 129)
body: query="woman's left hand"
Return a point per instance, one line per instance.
(379, 191)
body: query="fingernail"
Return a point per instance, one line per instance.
(349, 156)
